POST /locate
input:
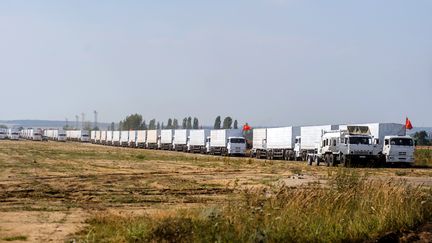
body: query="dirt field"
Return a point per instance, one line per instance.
(48, 189)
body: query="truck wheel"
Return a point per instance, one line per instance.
(269, 156)
(309, 160)
(342, 160)
(347, 161)
(332, 160)
(327, 160)
(317, 160)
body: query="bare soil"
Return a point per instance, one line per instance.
(48, 189)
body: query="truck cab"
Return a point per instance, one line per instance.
(207, 146)
(14, 135)
(61, 136)
(344, 147)
(3, 134)
(236, 145)
(297, 147)
(85, 137)
(358, 145)
(398, 149)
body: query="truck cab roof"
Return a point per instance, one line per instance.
(396, 136)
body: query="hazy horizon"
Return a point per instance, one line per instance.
(266, 62)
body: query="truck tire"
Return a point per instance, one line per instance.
(317, 160)
(269, 155)
(327, 159)
(332, 160)
(309, 160)
(346, 161)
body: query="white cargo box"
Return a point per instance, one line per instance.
(181, 136)
(141, 136)
(259, 138)
(124, 136)
(132, 136)
(103, 136)
(116, 136)
(282, 137)
(198, 137)
(93, 135)
(152, 136)
(380, 130)
(167, 136)
(98, 135)
(311, 135)
(218, 138)
(109, 136)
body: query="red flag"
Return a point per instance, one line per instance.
(408, 124)
(246, 127)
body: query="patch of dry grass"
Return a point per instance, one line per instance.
(351, 208)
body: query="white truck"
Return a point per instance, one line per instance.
(124, 138)
(281, 141)
(153, 139)
(348, 146)
(109, 138)
(180, 140)
(78, 135)
(141, 138)
(85, 136)
(103, 138)
(61, 135)
(98, 136)
(132, 136)
(259, 143)
(166, 139)
(35, 134)
(93, 136)
(393, 146)
(309, 140)
(227, 142)
(116, 138)
(13, 134)
(197, 140)
(3, 133)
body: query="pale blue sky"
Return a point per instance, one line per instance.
(268, 62)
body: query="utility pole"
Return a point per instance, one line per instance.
(95, 118)
(82, 120)
(76, 121)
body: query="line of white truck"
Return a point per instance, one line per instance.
(11, 134)
(221, 141)
(336, 144)
(38, 134)
(330, 144)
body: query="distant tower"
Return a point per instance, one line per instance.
(95, 118)
(76, 121)
(82, 120)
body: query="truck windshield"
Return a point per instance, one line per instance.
(402, 141)
(359, 140)
(237, 140)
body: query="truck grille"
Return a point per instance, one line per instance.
(362, 152)
(402, 153)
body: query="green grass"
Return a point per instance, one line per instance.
(423, 157)
(351, 208)
(15, 238)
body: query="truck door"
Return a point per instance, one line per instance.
(386, 148)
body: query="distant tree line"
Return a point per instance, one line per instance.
(227, 123)
(136, 122)
(422, 138)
